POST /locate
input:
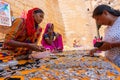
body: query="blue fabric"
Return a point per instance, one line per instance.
(117, 61)
(47, 36)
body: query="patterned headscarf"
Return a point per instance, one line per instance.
(30, 24)
(47, 27)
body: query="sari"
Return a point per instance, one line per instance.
(57, 44)
(22, 30)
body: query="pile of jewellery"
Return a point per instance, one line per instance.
(73, 65)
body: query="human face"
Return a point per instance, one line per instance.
(102, 19)
(38, 17)
(51, 29)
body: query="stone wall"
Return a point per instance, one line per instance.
(50, 7)
(79, 24)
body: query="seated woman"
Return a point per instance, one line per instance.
(106, 15)
(52, 41)
(22, 38)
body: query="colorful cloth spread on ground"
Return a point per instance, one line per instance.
(69, 65)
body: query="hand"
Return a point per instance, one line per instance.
(34, 47)
(42, 48)
(93, 51)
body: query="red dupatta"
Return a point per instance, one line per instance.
(30, 24)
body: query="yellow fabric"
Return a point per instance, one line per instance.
(44, 69)
(18, 32)
(14, 28)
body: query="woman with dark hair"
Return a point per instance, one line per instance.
(24, 33)
(105, 15)
(52, 40)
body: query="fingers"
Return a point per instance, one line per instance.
(93, 51)
(42, 48)
(35, 47)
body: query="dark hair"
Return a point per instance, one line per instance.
(99, 10)
(38, 11)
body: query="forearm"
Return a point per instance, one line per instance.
(115, 45)
(108, 46)
(16, 43)
(49, 42)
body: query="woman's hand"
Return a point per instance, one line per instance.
(35, 47)
(42, 48)
(104, 47)
(93, 51)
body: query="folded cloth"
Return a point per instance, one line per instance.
(38, 55)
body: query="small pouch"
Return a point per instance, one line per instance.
(98, 44)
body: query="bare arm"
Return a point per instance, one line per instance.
(31, 46)
(49, 37)
(14, 43)
(10, 37)
(105, 46)
(115, 45)
(49, 40)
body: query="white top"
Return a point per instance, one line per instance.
(112, 35)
